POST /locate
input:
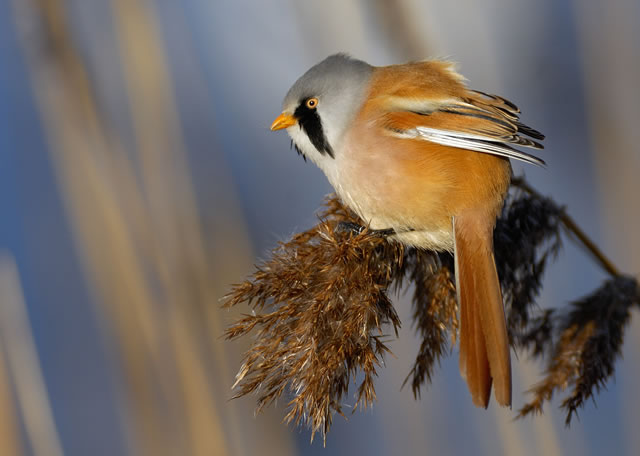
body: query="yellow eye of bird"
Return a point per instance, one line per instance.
(312, 103)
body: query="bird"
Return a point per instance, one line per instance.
(417, 154)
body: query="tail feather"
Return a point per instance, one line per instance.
(484, 347)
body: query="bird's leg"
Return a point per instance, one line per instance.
(349, 227)
(384, 232)
(356, 229)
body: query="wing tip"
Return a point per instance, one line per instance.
(531, 132)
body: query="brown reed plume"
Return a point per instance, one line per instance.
(320, 306)
(325, 302)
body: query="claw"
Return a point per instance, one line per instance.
(354, 228)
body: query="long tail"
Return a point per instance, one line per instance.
(484, 346)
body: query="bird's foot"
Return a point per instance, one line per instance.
(354, 228)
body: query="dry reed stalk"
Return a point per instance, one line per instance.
(10, 440)
(16, 341)
(140, 240)
(80, 144)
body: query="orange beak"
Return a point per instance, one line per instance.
(283, 121)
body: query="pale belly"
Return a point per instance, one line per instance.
(430, 240)
(374, 204)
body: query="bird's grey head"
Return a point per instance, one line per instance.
(323, 103)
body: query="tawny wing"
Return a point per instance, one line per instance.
(461, 118)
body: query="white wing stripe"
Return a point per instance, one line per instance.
(469, 141)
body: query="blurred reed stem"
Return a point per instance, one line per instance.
(20, 361)
(166, 185)
(134, 217)
(10, 441)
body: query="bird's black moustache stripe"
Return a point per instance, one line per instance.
(310, 122)
(294, 145)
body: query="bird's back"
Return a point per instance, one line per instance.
(410, 183)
